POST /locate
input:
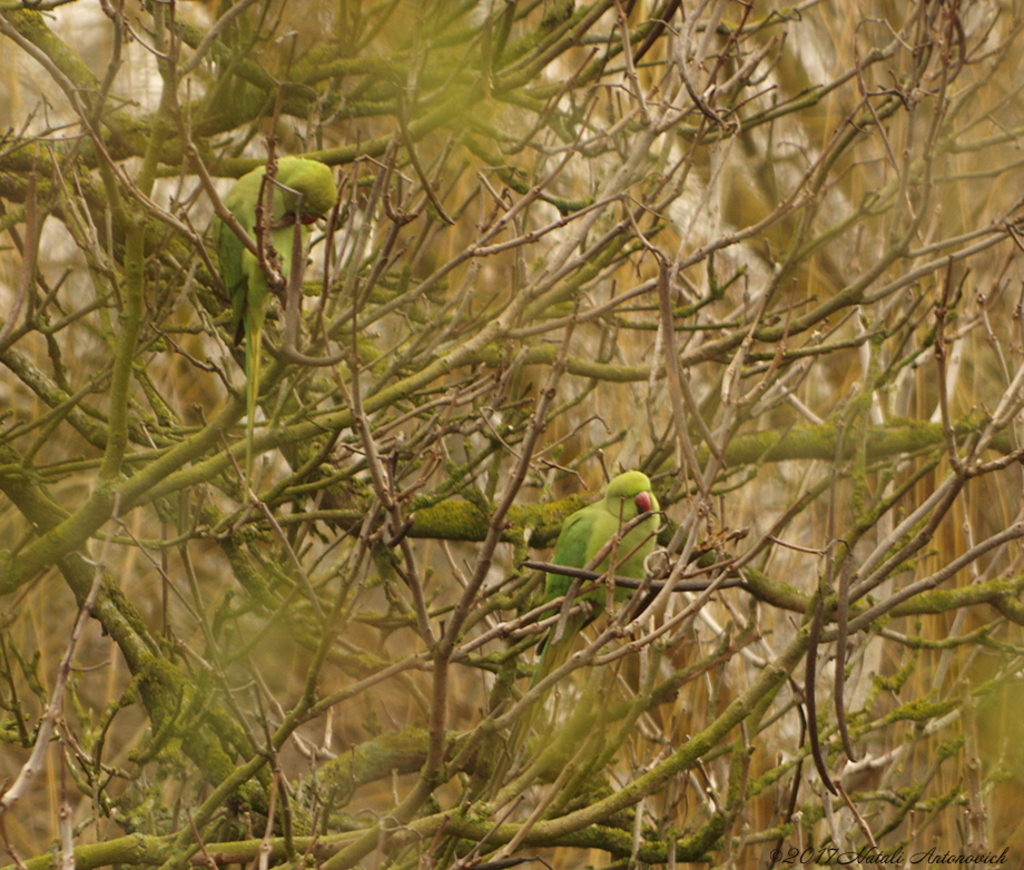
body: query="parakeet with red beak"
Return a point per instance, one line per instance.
(583, 534)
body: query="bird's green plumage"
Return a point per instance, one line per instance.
(589, 529)
(583, 535)
(310, 194)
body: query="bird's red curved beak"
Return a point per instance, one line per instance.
(643, 502)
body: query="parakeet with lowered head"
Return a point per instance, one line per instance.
(303, 191)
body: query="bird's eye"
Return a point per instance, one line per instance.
(643, 502)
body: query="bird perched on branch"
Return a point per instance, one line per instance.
(302, 191)
(582, 537)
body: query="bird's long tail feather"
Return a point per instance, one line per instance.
(253, 345)
(554, 655)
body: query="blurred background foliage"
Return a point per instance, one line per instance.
(770, 254)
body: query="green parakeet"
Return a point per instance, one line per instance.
(583, 534)
(310, 194)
